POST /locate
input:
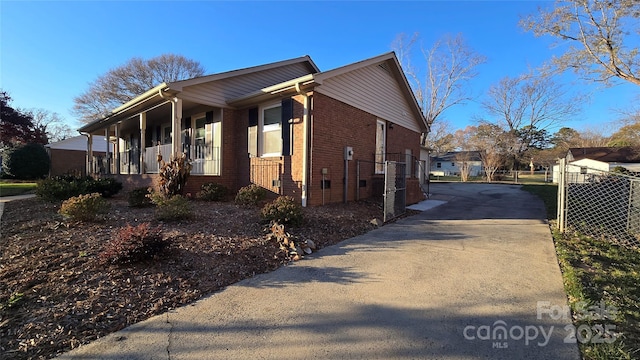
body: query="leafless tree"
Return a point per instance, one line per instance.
(440, 139)
(526, 106)
(602, 37)
(490, 140)
(448, 66)
(127, 81)
(463, 160)
(51, 123)
(629, 133)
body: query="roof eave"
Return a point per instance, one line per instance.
(287, 87)
(158, 91)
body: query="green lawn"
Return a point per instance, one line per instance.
(523, 178)
(16, 188)
(601, 281)
(548, 193)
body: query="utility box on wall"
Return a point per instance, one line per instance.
(348, 153)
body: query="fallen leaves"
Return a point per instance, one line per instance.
(69, 298)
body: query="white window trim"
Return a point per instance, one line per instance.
(271, 127)
(211, 141)
(384, 144)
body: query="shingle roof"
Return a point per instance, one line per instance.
(627, 154)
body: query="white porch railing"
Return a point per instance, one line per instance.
(151, 163)
(198, 155)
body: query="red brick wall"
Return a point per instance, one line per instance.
(234, 154)
(69, 161)
(336, 125)
(130, 182)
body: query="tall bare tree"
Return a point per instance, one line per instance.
(440, 139)
(50, 123)
(492, 143)
(602, 37)
(127, 81)
(441, 82)
(526, 107)
(463, 161)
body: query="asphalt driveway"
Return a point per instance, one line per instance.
(474, 278)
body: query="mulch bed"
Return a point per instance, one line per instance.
(55, 293)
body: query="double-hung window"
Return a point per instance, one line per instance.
(381, 146)
(271, 130)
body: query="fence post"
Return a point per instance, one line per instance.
(631, 195)
(561, 194)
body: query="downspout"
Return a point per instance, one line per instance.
(305, 146)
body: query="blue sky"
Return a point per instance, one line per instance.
(51, 51)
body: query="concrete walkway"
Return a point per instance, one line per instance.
(459, 281)
(5, 199)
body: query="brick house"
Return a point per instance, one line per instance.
(284, 126)
(69, 156)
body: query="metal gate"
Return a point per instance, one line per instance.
(395, 189)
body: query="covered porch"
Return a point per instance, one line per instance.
(142, 133)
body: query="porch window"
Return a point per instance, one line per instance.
(381, 146)
(199, 139)
(272, 130)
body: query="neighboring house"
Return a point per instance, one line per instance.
(594, 160)
(69, 156)
(449, 163)
(285, 126)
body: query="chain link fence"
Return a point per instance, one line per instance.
(600, 204)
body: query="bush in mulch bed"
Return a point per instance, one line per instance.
(133, 244)
(84, 207)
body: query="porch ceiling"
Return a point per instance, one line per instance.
(158, 112)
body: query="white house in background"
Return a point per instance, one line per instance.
(594, 160)
(69, 156)
(448, 164)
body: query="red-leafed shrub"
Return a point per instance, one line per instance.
(134, 243)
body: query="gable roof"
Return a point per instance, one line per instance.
(326, 82)
(306, 60)
(211, 84)
(79, 143)
(453, 156)
(627, 154)
(387, 62)
(163, 92)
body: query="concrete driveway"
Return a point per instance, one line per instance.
(464, 280)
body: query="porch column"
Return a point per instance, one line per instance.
(143, 128)
(176, 119)
(117, 148)
(89, 154)
(106, 136)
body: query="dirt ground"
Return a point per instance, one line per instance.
(55, 294)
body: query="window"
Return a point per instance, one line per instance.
(453, 164)
(167, 135)
(381, 146)
(199, 140)
(272, 130)
(269, 129)
(439, 165)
